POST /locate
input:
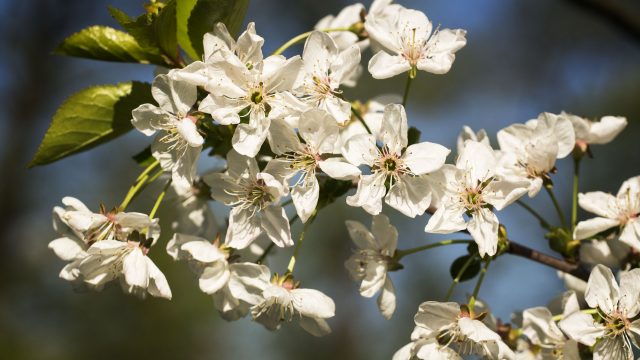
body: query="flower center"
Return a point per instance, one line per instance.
(616, 324)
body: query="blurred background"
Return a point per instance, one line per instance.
(522, 58)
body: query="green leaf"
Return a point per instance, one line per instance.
(206, 13)
(165, 27)
(144, 158)
(470, 272)
(156, 34)
(183, 11)
(105, 43)
(91, 117)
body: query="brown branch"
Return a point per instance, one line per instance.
(576, 270)
(618, 16)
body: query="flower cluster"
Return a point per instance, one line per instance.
(289, 135)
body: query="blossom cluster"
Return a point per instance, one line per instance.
(292, 131)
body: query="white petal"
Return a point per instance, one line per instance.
(189, 132)
(384, 66)
(243, 228)
(447, 219)
(483, 227)
(361, 149)
(434, 316)
(588, 228)
(476, 330)
(214, 277)
(275, 223)
(410, 195)
(135, 270)
(442, 47)
(599, 203)
(425, 157)
(630, 292)
(247, 139)
(369, 193)
(386, 235)
(602, 289)
(581, 327)
(314, 326)
(394, 128)
(282, 138)
(319, 130)
(374, 279)
(305, 198)
(339, 170)
(146, 118)
(606, 129)
(313, 303)
(158, 285)
(387, 299)
(478, 159)
(203, 251)
(174, 96)
(67, 249)
(361, 236)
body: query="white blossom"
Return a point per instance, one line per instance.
(617, 307)
(467, 133)
(620, 211)
(543, 332)
(474, 188)
(346, 18)
(595, 132)
(449, 331)
(371, 260)
(325, 69)
(234, 285)
(529, 151)
(320, 133)
(409, 44)
(127, 260)
(397, 163)
(255, 198)
(179, 143)
(284, 301)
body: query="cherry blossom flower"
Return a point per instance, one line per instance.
(372, 259)
(319, 132)
(193, 213)
(107, 260)
(402, 166)
(617, 305)
(473, 187)
(234, 285)
(409, 44)
(255, 199)
(179, 143)
(468, 134)
(595, 132)
(529, 151)
(325, 69)
(543, 332)
(283, 301)
(449, 331)
(621, 211)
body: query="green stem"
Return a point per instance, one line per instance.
(296, 250)
(476, 290)
(402, 253)
(405, 97)
(574, 197)
(542, 221)
(141, 182)
(301, 37)
(148, 169)
(563, 219)
(159, 199)
(359, 117)
(456, 280)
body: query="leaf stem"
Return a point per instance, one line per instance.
(476, 290)
(405, 97)
(542, 221)
(402, 253)
(140, 182)
(574, 194)
(563, 219)
(456, 280)
(359, 117)
(301, 37)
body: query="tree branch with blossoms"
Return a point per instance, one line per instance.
(290, 139)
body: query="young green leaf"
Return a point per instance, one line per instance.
(105, 43)
(165, 27)
(91, 117)
(183, 11)
(206, 13)
(470, 272)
